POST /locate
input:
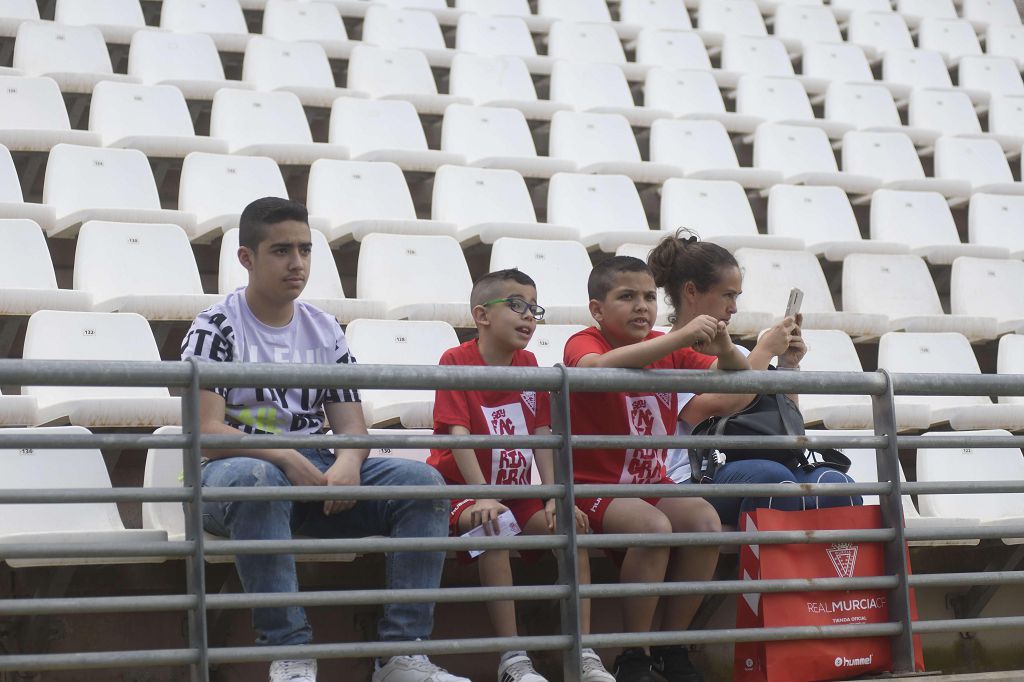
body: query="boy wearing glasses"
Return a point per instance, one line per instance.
(506, 313)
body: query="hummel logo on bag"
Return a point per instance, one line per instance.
(844, 558)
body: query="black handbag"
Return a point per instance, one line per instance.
(766, 415)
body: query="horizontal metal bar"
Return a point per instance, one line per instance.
(959, 440)
(927, 627)
(723, 442)
(42, 607)
(776, 537)
(957, 384)
(622, 590)
(967, 579)
(15, 440)
(95, 550)
(978, 532)
(94, 373)
(76, 495)
(726, 636)
(386, 596)
(961, 487)
(381, 544)
(101, 659)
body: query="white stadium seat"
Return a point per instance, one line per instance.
(822, 219)
(87, 183)
(59, 523)
(415, 454)
(915, 68)
(1005, 40)
(606, 209)
(997, 75)
(992, 12)
(952, 38)
(878, 32)
(33, 117)
(13, 13)
(916, 10)
(356, 198)
(980, 287)
(1006, 117)
(702, 150)
(807, 23)
(548, 342)
(692, 93)
(804, 156)
(667, 14)
(17, 410)
(140, 268)
(980, 162)
(74, 56)
(585, 42)
(300, 67)
(498, 81)
(574, 10)
(488, 203)
(836, 63)
(496, 137)
(560, 269)
(870, 107)
(59, 335)
(399, 28)
(946, 353)
(188, 61)
(399, 342)
(672, 49)
(892, 159)
(726, 17)
(499, 7)
(997, 220)
(768, 278)
(599, 88)
(402, 271)
(12, 203)
(783, 100)
(944, 112)
(27, 279)
(843, 8)
(118, 20)
(901, 289)
(323, 287)
(1010, 360)
(385, 130)
(315, 22)
(397, 74)
(222, 20)
(756, 55)
(494, 36)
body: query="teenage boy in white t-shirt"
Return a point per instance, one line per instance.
(264, 322)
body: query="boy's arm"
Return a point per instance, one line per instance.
(482, 511)
(345, 418)
(298, 469)
(546, 467)
(701, 329)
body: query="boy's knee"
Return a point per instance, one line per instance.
(693, 515)
(655, 522)
(250, 472)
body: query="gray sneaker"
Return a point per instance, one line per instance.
(594, 670)
(293, 671)
(518, 669)
(413, 669)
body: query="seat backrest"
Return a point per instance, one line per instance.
(952, 37)
(164, 469)
(120, 259)
(839, 62)
(996, 220)
(1005, 40)
(270, 64)
(485, 78)
(589, 138)
(20, 9)
(595, 203)
(588, 85)
(575, 10)
(998, 75)
(585, 42)
(10, 185)
(364, 125)
(214, 185)
(971, 464)
(883, 31)
(560, 268)
(893, 285)
(709, 207)
(25, 261)
(415, 454)
(403, 269)
(398, 28)
(692, 144)
(99, 13)
(494, 35)
(120, 110)
(381, 71)
(807, 23)
(44, 47)
(862, 105)
(920, 9)
(89, 177)
(1006, 113)
(979, 286)
(670, 14)
(548, 342)
(46, 469)
(774, 98)
(917, 68)
(929, 353)
(672, 49)
(992, 11)
(769, 275)
(159, 56)
(811, 213)
(286, 20)
(762, 55)
(980, 162)
(913, 218)
(245, 117)
(792, 149)
(731, 16)
(323, 282)
(841, 7)
(519, 8)
(471, 196)
(831, 350)
(60, 335)
(479, 132)
(28, 103)
(683, 91)
(202, 16)
(1010, 360)
(888, 156)
(948, 111)
(344, 191)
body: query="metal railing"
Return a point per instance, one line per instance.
(191, 377)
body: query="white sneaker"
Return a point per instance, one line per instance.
(293, 671)
(518, 669)
(413, 669)
(594, 670)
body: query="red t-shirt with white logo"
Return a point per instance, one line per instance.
(495, 413)
(619, 414)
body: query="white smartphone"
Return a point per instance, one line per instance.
(796, 297)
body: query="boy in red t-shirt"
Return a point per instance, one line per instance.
(624, 302)
(505, 311)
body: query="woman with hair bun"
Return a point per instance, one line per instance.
(702, 278)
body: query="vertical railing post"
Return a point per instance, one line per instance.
(568, 571)
(195, 562)
(896, 561)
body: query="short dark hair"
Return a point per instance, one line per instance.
(486, 288)
(262, 213)
(602, 277)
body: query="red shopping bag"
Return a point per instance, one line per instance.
(823, 659)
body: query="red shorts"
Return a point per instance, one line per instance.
(523, 509)
(595, 509)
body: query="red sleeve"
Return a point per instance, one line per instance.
(543, 409)
(687, 358)
(580, 345)
(451, 408)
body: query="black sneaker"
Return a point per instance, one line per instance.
(633, 665)
(673, 662)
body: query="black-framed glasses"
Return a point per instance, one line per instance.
(519, 306)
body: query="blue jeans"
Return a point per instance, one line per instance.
(278, 520)
(769, 471)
